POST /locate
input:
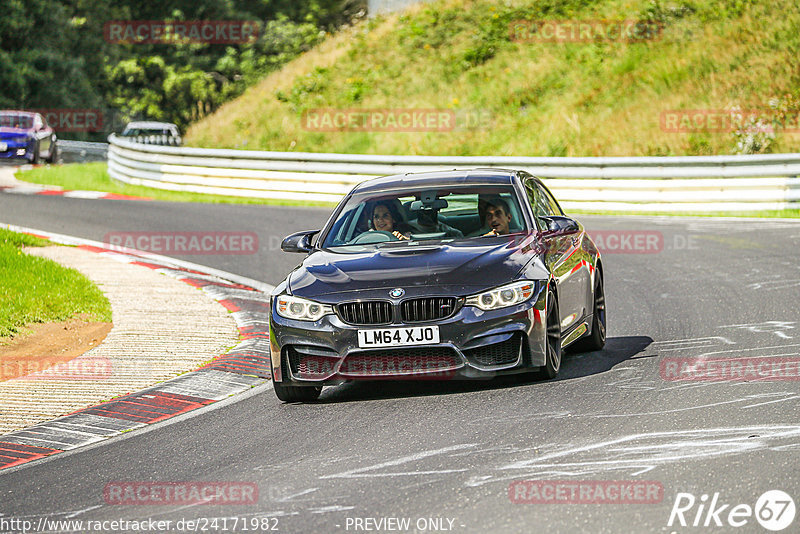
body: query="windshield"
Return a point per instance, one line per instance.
(449, 213)
(132, 132)
(16, 120)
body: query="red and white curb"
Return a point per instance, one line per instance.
(243, 367)
(77, 193)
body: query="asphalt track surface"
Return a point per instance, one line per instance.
(449, 451)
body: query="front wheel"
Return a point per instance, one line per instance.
(297, 393)
(552, 338)
(34, 159)
(597, 339)
(53, 157)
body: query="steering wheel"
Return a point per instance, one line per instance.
(374, 236)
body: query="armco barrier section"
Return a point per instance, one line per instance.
(662, 184)
(81, 151)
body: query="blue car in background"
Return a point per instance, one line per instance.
(26, 135)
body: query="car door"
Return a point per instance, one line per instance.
(43, 134)
(564, 258)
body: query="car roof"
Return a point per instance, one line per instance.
(150, 124)
(18, 112)
(433, 179)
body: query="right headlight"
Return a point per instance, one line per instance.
(300, 309)
(503, 296)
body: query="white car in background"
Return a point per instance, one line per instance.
(153, 133)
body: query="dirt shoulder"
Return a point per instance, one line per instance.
(49, 344)
(162, 328)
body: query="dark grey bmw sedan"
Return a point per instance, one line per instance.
(438, 275)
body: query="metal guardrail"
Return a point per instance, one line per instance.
(82, 151)
(666, 184)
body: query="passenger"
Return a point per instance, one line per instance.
(386, 218)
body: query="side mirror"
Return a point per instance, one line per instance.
(299, 242)
(560, 225)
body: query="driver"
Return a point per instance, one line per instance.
(498, 217)
(386, 218)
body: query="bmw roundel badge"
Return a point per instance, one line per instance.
(397, 292)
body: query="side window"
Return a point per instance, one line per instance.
(554, 207)
(539, 203)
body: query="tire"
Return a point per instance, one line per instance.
(297, 393)
(552, 338)
(597, 339)
(53, 157)
(35, 159)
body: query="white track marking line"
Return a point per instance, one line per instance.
(771, 402)
(361, 472)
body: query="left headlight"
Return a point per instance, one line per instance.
(503, 296)
(300, 309)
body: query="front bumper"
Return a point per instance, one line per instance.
(472, 344)
(16, 149)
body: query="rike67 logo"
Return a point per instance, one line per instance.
(774, 510)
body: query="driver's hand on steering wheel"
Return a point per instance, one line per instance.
(398, 235)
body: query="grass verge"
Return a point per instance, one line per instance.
(520, 93)
(38, 290)
(764, 214)
(94, 177)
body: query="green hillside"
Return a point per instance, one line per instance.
(512, 93)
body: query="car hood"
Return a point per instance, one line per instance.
(457, 268)
(6, 132)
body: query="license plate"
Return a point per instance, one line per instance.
(3, 147)
(398, 337)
